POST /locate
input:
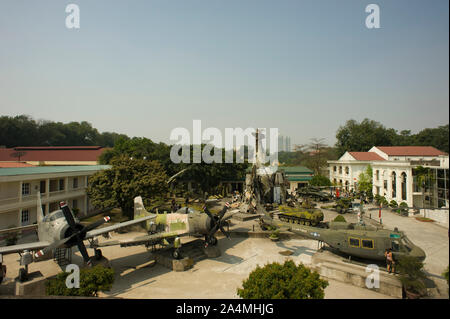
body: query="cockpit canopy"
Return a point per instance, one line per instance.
(57, 214)
(185, 210)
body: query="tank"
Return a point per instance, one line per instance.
(308, 217)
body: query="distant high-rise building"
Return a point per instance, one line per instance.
(284, 143)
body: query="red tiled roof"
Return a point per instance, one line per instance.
(410, 150)
(14, 164)
(60, 153)
(366, 156)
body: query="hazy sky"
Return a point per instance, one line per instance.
(145, 67)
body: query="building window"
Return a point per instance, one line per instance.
(42, 187)
(26, 189)
(394, 185)
(385, 184)
(75, 182)
(377, 174)
(347, 170)
(334, 168)
(25, 218)
(367, 243)
(378, 190)
(340, 169)
(353, 242)
(61, 184)
(403, 179)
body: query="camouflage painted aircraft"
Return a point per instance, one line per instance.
(367, 242)
(59, 229)
(166, 229)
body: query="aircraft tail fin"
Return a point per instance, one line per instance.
(140, 211)
(40, 212)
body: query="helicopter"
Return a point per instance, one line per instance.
(352, 239)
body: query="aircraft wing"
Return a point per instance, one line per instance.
(17, 229)
(141, 240)
(20, 248)
(104, 230)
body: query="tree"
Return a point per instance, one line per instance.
(424, 178)
(92, 280)
(320, 180)
(315, 154)
(365, 183)
(283, 281)
(127, 179)
(412, 275)
(360, 137)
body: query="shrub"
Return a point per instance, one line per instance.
(340, 218)
(393, 204)
(320, 180)
(412, 275)
(92, 280)
(287, 281)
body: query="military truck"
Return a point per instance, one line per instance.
(308, 217)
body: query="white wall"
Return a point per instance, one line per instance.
(439, 215)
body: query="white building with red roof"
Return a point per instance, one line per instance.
(394, 177)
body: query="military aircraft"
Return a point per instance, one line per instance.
(166, 229)
(59, 229)
(366, 242)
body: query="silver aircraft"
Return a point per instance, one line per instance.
(59, 229)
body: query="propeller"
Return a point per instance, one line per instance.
(218, 221)
(77, 234)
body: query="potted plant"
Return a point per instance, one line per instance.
(275, 235)
(393, 205)
(403, 209)
(412, 276)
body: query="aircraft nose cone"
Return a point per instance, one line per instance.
(419, 253)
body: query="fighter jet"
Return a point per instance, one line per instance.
(59, 229)
(166, 229)
(366, 242)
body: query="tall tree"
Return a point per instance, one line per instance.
(360, 137)
(126, 179)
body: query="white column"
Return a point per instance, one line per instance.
(47, 188)
(409, 188)
(86, 208)
(389, 185)
(19, 218)
(399, 187)
(20, 191)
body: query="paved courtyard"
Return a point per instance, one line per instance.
(137, 276)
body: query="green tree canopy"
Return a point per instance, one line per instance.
(126, 179)
(92, 280)
(365, 183)
(23, 130)
(283, 281)
(360, 137)
(320, 180)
